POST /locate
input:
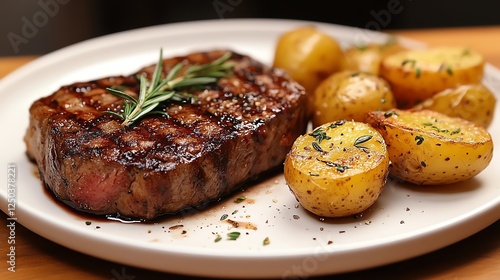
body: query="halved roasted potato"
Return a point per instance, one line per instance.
(416, 75)
(475, 103)
(350, 95)
(430, 148)
(338, 169)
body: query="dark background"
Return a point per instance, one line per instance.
(58, 23)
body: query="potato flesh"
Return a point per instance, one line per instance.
(338, 179)
(350, 95)
(430, 148)
(474, 103)
(417, 75)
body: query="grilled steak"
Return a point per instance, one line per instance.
(240, 127)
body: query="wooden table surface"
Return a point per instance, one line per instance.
(477, 257)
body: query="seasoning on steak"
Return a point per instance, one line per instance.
(240, 127)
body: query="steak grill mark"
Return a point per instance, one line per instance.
(239, 128)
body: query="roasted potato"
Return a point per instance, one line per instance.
(350, 95)
(338, 169)
(308, 55)
(367, 58)
(430, 148)
(475, 103)
(416, 75)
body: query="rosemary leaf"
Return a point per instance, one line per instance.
(362, 139)
(121, 94)
(159, 98)
(158, 90)
(195, 81)
(337, 124)
(157, 73)
(317, 147)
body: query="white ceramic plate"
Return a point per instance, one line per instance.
(406, 221)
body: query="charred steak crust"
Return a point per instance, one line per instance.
(240, 127)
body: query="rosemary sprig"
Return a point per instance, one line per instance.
(158, 90)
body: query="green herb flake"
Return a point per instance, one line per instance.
(409, 61)
(317, 147)
(337, 124)
(362, 139)
(266, 241)
(418, 72)
(435, 128)
(419, 139)
(361, 47)
(456, 131)
(449, 70)
(327, 162)
(341, 168)
(390, 114)
(234, 212)
(88, 223)
(313, 174)
(223, 217)
(320, 135)
(423, 164)
(217, 238)
(240, 199)
(233, 235)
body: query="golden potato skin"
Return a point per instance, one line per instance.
(308, 55)
(416, 75)
(475, 103)
(350, 95)
(339, 169)
(367, 58)
(430, 148)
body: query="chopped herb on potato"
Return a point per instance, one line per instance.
(341, 176)
(430, 148)
(416, 75)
